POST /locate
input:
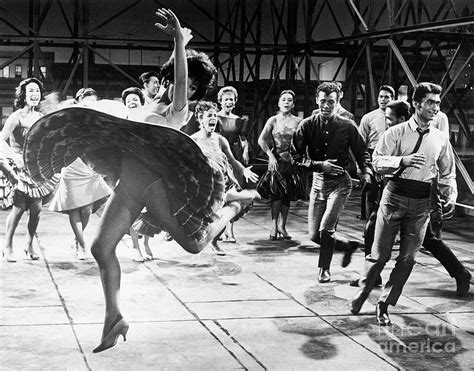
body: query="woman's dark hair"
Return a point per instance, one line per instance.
(20, 92)
(200, 69)
(133, 90)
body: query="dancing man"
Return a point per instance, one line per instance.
(327, 138)
(414, 153)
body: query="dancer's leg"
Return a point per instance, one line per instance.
(85, 213)
(33, 220)
(276, 207)
(119, 214)
(284, 209)
(157, 203)
(76, 225)
(12, 221)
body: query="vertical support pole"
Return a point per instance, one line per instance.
(216, 34)
(85, 49)
(36, 50)
(243, 16)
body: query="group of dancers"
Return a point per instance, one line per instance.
(160, 165)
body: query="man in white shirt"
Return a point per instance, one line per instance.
(414, 153)
(372, 126)
(150, 85)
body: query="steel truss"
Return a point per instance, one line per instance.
(393, 41)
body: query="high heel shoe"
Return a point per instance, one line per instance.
(119, 327)
(9, 256)
(32, 255)
(285, 236)
(273, 237)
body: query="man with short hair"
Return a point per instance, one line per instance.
(322, 143)
(372, 126)
(341, 111)
(150, 85)
(413, 153)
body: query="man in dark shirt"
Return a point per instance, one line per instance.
(321, 143)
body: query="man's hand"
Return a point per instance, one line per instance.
(329, 167)
(366, 179)
(416, 160)
(448, 209)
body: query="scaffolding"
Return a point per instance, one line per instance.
(396, 42)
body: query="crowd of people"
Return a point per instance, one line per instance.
(178, 164)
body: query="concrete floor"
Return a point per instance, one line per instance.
(258, 307)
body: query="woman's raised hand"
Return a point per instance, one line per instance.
(171, 24)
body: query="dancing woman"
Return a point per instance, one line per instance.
(81, 191)
(234, 129)
(217, 149)
(28, 195)
(279, 129)
(161, 169)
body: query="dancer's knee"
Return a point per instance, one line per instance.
(101, 250)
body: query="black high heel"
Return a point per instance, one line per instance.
(32, 255)
(273, 237)
(119, 327)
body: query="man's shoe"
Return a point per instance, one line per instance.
(357, 301)
(382, 314)
(378, 283)
(354, 283)
(463, 282)
(324, 275)
(351, 248)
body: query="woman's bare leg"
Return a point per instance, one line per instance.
(282, 220)
(76, 225)
(12, 221)
(146, 244)
(276, 206)
(157, 203)
(33, 221)
(119, 214)
(85, 213)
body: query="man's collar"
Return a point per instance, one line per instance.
(413, 125)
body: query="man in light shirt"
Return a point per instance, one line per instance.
(413, 153)
(372, 126)
(150, 86)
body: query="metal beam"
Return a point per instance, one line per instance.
(402, 61)
(454, 22)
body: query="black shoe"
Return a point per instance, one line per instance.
(382, 314)
(378, 283)
(324, 275)
(357, 301)
(463, 282)
(217, 249)
(354, 283)
(351, 248)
